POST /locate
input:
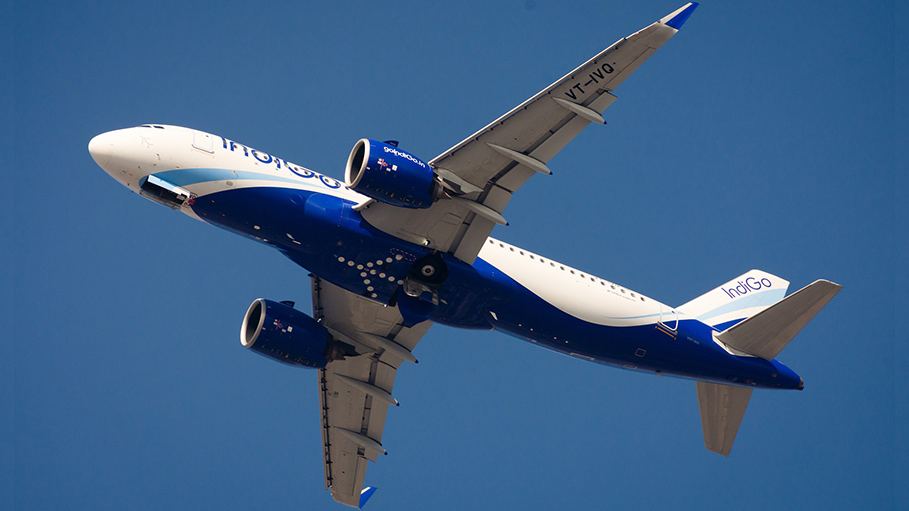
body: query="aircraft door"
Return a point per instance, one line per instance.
(203, 141)
(669, 318)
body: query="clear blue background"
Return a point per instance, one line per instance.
(764, 135)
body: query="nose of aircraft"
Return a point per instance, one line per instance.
(101, 148)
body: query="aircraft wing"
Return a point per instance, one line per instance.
(482, 172)
(354, 393)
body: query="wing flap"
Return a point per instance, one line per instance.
(472, 239)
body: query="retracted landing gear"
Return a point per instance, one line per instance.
(421, 289)
(426, 277)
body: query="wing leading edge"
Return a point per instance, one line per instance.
(497, 160)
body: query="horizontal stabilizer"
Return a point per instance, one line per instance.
(722, 408)
(767, 333)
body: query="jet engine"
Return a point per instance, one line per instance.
(282, 333)
(387, 174)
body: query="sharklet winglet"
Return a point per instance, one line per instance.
(679, 17)
(365, 494)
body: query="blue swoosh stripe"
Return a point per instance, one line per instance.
(186, 177)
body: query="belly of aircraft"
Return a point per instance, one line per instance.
(324, 235)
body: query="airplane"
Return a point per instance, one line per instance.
(402, 244)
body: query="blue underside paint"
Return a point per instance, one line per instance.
(323, 234)
(290, 336)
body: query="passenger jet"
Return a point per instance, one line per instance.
(403, 243)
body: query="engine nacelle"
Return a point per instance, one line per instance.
(285, 334)
(390, 175)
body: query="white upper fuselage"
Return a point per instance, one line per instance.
(131, 154)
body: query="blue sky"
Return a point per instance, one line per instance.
(764, 135)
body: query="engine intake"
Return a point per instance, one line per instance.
(390, 175)
(285, 334)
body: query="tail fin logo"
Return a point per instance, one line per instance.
(749, 285)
